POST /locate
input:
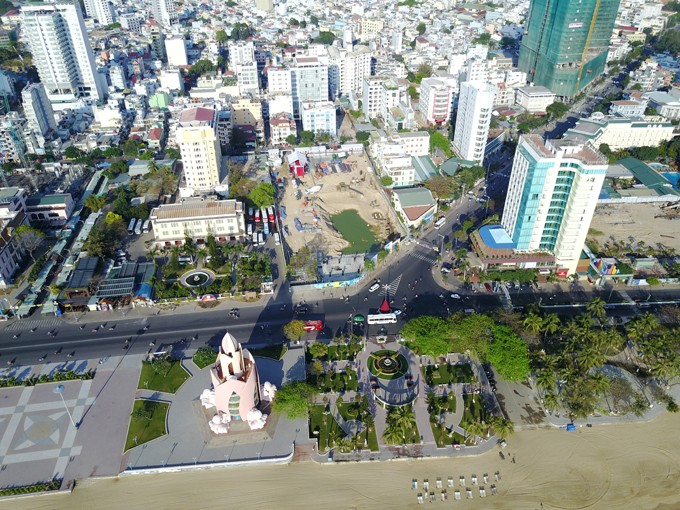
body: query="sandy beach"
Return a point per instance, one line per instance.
(634, 466)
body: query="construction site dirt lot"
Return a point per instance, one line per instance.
(355, 189)
(650, 224)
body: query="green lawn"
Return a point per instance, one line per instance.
(446, 374)
(474, 411)
(149, 379)
(274, 352)
(317, 422)
(442, 438)
(375, 370)
(333, 381)
(348, 411)
(146, 428)
(355, 231)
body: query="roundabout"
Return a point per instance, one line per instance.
(387, 364)
(197, 278)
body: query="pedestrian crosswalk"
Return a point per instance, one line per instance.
(391, 289)
(421, 256)
(27, 324)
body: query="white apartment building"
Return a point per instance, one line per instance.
(12, 144)
(279, 80)
(621, 132)
(628, 108)
(164, 12)
(247, 77)
(309, 80)
(552, 195)
(476, 70)
(117, 76)
(281, 126)
(224, 219)
(534, 98)
(62, 53)
(100, 10)
(200, 147)
(132, 21)
(318, 117)
(37, 109)
(436, 97)
(381, 94)
(355, 66)
(241, 52)
(369, 28)
(393, 155)
(475, 104)
(279, 103)
(171, 79)
(176, 50)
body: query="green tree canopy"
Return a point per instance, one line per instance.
(94, 202)
(386, 180)
(221, 37)
(293, 399)
(201, 67)
(29, 239)
(362, 136)
(428, 335)
(557, 109)
(508, 353)
(420, 28)
(326, 38)
(318, 349)
(291, 139)
(441, 186)
(294, 330)
(262, 195)
(441, 142)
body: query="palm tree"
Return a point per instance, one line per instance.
(335, 435)
(596, 308)
(545, 380)
(600, 382)
(533, 322)
(404, 419)
(474, 429)
(344, 445)
(502, 426)
(551, 323)
(589, 358)
(393, 435)
(551, 402)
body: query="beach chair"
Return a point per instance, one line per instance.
(450, 484)
(414, 484)
(444, 495)
(474, 479)
(426, 484)
(486, 477)
(432, 497)
(462, 481)
(420, 498)
(439, 483)
(482, 492)
(456, 495)
(494, 490)
(469, 493)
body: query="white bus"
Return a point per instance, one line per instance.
(260, 239)
(440, 222)
(146, 226)
(138, 226)
(383, 318)
(131, 226)
(277, 239)
(249, 229)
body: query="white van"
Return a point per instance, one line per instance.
(277, 239)
(440, 222)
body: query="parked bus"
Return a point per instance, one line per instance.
(277, 239)
(383, 318)
(257, 216)
(440, 222)
(266, 228)
(249, 229)
(146, 226)
(131, 226)
(260, 239)
(270, 213)
(265, 216)
(313, 325)
(138, 226)
(251, 214)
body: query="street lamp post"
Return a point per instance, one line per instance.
(59, 389)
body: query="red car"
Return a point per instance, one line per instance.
(487, 286)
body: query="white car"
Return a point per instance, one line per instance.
(397, 312)
(374, 287)
(455, 296)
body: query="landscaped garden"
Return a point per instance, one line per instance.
(355, 231)
(401, 426)
(147, 422)
(162, 374)
(448, 374)
(326, 382)
(338, 352)
(324, 427)
(204, 356)
(359, 411)
(386, 364)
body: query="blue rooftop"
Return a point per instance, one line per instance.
(495, 236)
